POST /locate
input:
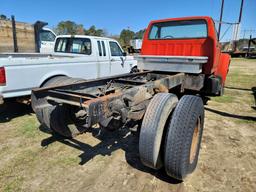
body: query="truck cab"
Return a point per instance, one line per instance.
(47, 39)
(191, 38)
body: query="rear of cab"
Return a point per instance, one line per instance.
(187, 36)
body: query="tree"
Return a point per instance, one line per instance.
(94, 31)
(69, 28)
(125, 36)
(80, 30)
(3, 17)
(72, 28)
(140, 34)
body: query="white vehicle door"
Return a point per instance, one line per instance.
(47, 39)
(104, 68)
(118, 62)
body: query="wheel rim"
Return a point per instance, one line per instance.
(195, 141)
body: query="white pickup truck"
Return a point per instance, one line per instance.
(85, 57)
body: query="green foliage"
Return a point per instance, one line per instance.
(3, 17)
(125, 36)
(68, 28)
(94, 31)
(140, 34)
(72, 28)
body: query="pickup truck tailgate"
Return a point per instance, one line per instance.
(185, 64)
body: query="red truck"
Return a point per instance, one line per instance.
(180, 64)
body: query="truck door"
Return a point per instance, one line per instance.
(103, 65)
(47, 39)
(118, 62)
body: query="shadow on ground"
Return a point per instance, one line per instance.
(12, 109)
(237, 88)
(110, 142)
(225, 114)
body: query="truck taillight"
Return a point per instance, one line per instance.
(2, 76)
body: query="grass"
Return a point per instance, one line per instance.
(224, 99)
(67, 161)
(27, 128)
(11, 181)
(240, 121)
(14, 185)
(243, 81)
(27, 166)
(242, 74)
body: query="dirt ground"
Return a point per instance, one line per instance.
(33, 160)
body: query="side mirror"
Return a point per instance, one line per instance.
(124, 54)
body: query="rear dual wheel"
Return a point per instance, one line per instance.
(152, 129)
(174, 145)
(183, 137)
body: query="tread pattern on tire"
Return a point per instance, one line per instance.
(179, 136)
(152, 128)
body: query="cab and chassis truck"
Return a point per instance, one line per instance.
(180, 64)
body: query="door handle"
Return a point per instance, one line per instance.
(112, 59)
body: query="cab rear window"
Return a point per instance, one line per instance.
(74, 45)
(179, 30)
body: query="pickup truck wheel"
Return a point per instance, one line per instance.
(2, 108)
(42, 114)
(183, 138)
(135, 70)
(152, 128)
(65, 121)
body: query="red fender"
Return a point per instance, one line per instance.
(223, 67)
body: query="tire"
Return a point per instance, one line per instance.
(42, 114)
(152, 128)
(135, 70)
(65, 123)
(49, 116)
(2, 108)
(183, 138)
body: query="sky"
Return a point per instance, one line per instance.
(115, 15)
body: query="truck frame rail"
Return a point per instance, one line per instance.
(129, 94)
